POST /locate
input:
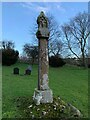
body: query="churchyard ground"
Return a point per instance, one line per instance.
(68, 82)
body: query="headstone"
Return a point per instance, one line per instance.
(16, 70)
(28, 70)
(43, 94)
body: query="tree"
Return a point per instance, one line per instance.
(9, 55)
(76, 34)
(55, 45)
(7, 44)
(56, 61)
(56, 48)
(31, 52)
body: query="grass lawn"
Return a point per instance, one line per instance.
(70, 83)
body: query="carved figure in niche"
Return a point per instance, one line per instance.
(42, 21)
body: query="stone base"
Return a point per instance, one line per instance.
(43, 96)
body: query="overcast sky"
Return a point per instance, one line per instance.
(18, 18)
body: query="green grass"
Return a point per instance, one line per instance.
(70, 83)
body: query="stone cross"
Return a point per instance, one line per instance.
(43, 94)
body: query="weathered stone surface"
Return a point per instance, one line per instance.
(75, 111)
(47, 96)
(43, 65)
(42, 22)
(43, 94)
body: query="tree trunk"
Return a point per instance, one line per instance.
(84, 63)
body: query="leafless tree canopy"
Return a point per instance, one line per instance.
(70, 39)
(55, 39)
(31, 52)
(76, 34)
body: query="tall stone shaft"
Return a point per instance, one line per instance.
(43, 65)
(43, 93)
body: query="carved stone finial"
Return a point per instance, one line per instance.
(42, 22)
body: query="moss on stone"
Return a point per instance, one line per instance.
(57, 109)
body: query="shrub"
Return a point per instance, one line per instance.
(56, 61)
(9, 56)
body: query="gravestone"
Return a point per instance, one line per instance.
(16, 70)
(28, 70)
(43, 94)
